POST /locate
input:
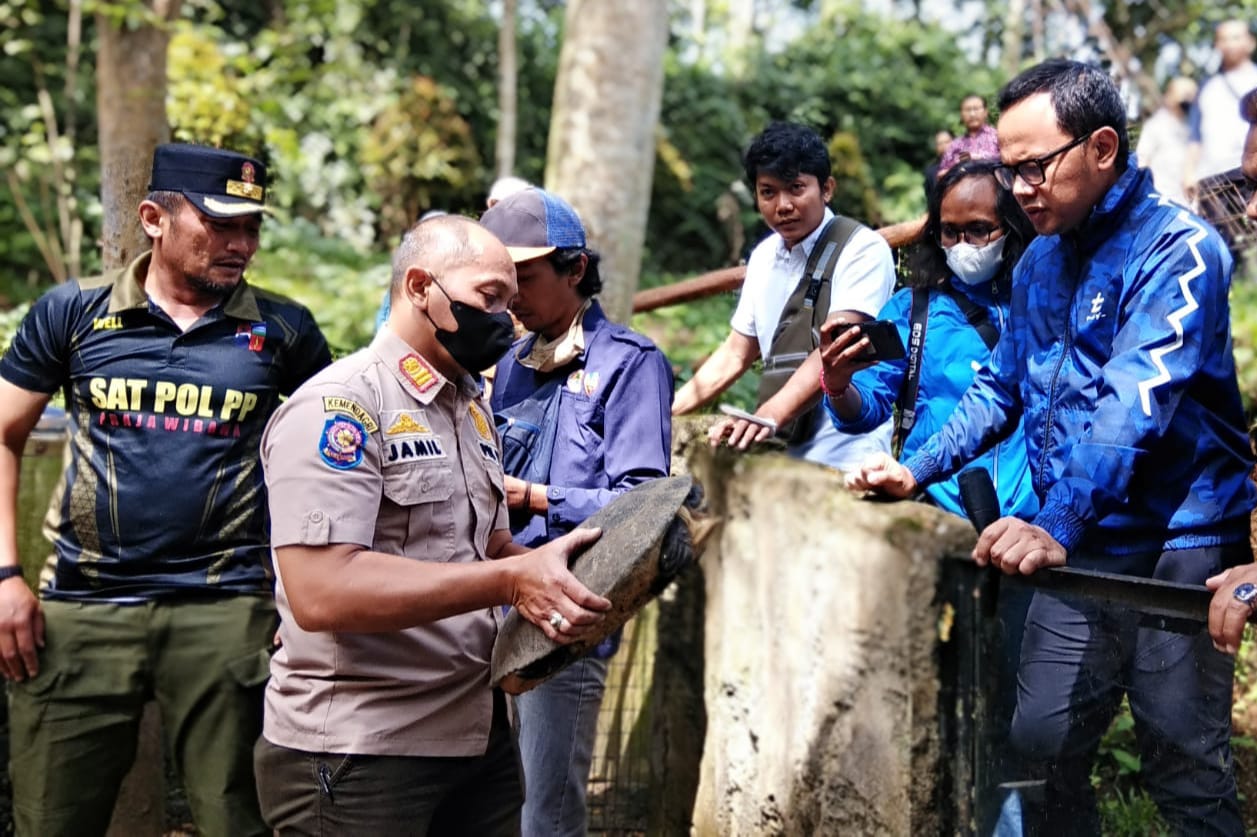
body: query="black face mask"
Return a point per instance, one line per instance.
(482, 338)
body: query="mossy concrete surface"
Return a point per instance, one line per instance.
(819, 652)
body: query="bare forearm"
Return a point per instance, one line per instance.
(708, 382)
(10, 463)
(344, 588)
(715, 376)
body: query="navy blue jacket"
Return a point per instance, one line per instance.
(614, 422)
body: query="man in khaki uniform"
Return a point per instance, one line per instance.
(387, 503)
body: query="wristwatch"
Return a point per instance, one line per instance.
(10, 572)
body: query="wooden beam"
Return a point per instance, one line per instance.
(730, 278)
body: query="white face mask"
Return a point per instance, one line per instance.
(975, 265)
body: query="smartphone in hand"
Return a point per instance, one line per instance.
(730, 410)
(884, 340)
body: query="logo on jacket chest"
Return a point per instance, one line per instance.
(1097, 307)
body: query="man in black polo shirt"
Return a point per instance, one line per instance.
(157, 589)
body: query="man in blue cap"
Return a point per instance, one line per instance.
(583, 405)
(157, 588)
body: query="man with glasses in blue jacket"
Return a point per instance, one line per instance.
(1118, 360)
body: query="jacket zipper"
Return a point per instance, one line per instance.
(999, 315)
(1060, 363)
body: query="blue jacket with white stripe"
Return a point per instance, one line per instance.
(1118, 360)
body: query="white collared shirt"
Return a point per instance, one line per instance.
(863, 281)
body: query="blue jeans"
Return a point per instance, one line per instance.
(557, 723)
(1079, 657)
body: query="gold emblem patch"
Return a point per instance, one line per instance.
(338, 404)
(480, 422)
(406, 424)
(240, 189)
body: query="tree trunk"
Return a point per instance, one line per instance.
(601, 152)
(508, 77)
(1014, 29)
(131, 109)
(131, 114)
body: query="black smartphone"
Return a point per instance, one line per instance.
(884, 341)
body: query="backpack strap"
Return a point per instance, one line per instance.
(977, 316)
(798, 330)
(812, 294)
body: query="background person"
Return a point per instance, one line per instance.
(1118, 361)
(503, 188)
(584, 403)
(171, 367)
(1163, 140)
(788, 167)
(387, 510)
(1216, 130)
(978, 142)
(942, 139)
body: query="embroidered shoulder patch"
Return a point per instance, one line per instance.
(338, 404)
(418, 372)
(342, 443)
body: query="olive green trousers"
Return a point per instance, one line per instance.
(73, 726)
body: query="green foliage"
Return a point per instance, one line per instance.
(877, 93)
(47, 151)
(341, 284)
(1126, 810)
(419, 155)
(207, 99)
(690, 333)
(1244, 338)
(9, 321)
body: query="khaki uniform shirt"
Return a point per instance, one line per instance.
(380, 450)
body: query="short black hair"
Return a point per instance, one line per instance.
(977, 96)
(929, 264)
(784, 150)
(1083, 96)
(566, 260)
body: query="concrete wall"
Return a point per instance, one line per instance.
(820, 640)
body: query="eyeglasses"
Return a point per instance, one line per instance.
(1034, 172)
(978, 235)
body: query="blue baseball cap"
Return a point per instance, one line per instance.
(220, 183)
(534, 223)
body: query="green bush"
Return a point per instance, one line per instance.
(341, 284)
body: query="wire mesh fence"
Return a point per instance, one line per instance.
(620, 776)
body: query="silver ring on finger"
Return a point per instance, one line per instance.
(1247, 594)
(556, 620)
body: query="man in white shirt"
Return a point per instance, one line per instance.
(1216, 129)
(789, 169)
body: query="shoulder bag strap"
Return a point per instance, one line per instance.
(977, 316)
(906, 418)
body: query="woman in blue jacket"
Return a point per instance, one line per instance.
(961, 278)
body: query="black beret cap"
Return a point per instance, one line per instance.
(222, 184)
